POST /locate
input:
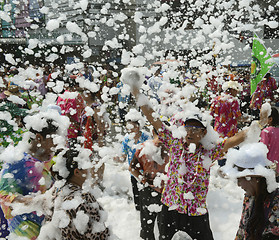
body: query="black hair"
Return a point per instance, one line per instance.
(268, 75)
(71, 82)
(256, 221)
(195, 120)
(50, 129)
(70, 164)
(275, 117)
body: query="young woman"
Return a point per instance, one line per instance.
(260, 215)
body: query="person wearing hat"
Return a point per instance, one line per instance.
(252, 170)
(185, 191)
(226, 111)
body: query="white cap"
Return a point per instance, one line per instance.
(199, 117)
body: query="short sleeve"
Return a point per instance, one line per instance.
(216, 153)
(166, 137)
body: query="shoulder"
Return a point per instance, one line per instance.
(145, 135)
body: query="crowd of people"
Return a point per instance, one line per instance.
(177, 125)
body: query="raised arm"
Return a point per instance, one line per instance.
(146, 109)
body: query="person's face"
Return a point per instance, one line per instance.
(195, 132)
(45, 145)
(233, 92)
(132, 127)
(248, 184)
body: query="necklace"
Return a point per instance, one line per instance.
(196, 169)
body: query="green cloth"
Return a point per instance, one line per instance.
(15, 111)
(261, 64)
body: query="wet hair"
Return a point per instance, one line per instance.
(275, 117)
(71, 164)
(49, 129)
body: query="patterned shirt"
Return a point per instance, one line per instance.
(129, 146)
(271, 213)
(265, 90)
(72, 103)
(89, 208)
(24, 177)
(188, 179)
(225, 109)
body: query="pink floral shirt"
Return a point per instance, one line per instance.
(225, 109)
(186, 188)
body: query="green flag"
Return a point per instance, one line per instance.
(261, 63)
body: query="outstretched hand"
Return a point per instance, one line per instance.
(264, 113)
(132, 77)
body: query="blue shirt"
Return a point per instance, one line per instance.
(121, 96)
(129, 147)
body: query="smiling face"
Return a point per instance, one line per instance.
(195, 132)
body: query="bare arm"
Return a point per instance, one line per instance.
(135, 168)
(241, 136)
(235, 140)
(148, 111)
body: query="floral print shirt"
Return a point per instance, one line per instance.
(265, 90)
(225, 109)
(271, 213)
(72, 103)
(188, 175)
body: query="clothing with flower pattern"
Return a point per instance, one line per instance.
(225, 110)
(271, 213)
(265, 90)
(188, 176)
(72, 105)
